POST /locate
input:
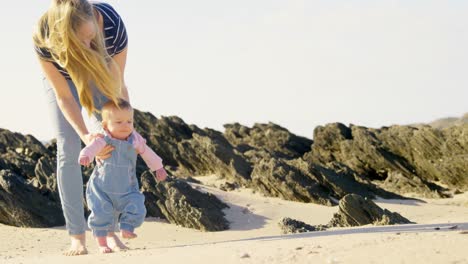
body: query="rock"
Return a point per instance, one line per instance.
(180, 204)
(190, 150)
(422, 156)
(274, 139)
(228, 186)
(291, 226)
(398, 183)
(46, 177)
(281, 178)
(212, 154)
(443, 123)
(29, 161)
(354, 210)
(20, 153)
(28, 190)
(152, 196)
(435, 155)
(389, 162)
(23, 205)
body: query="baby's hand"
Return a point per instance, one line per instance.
(84, 160)
(161, 174)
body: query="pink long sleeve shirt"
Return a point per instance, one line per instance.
(152, 160)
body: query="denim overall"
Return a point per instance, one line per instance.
(113, 188)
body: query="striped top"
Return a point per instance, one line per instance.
(115, 35)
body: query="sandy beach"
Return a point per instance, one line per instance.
(440, 236)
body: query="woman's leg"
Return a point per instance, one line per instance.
(69, 178)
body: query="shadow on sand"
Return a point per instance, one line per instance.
(242, 219)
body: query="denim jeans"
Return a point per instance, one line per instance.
(69, 178)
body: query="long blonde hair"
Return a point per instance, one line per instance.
(57, 33)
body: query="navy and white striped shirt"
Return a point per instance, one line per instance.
(115, 35)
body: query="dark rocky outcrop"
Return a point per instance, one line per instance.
(442, 123)
(396, 159)
(389, 162)
(285, 179)
(276, 140)
(291, 226)
(29, 196)
(340, 160)
(20, 153)
(434, 155)
(23, 205)
(188, 150)
(179, 203)
(355, 210)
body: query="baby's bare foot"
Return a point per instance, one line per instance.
(78, 246)
(105, 250)
(102, 242)
(127, 234)
(114, 242)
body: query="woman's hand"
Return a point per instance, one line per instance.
(105, 153)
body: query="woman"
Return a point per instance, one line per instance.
(82, 49)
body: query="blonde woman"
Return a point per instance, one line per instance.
(82, 50)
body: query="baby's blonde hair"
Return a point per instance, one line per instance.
(109, 106)
(57, 33)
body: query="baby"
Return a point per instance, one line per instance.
(113, 187)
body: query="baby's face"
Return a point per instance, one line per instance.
(119, 123)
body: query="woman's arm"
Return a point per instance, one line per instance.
(65, 99)
(121, 59)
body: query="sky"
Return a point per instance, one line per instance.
(296, 63)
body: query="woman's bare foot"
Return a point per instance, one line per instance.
(114, 242)
(127, 234)
(78, 246)
(102, 242)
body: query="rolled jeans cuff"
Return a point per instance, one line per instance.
(100, 233)
(127, 227)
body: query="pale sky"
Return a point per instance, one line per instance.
(295, 63)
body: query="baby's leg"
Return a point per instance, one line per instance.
(114, 242)
(102, 215)
(127, 234)
(133, 214)
(102, 242)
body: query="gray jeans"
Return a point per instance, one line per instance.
(69, 178)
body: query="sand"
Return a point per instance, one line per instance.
(255, 236)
